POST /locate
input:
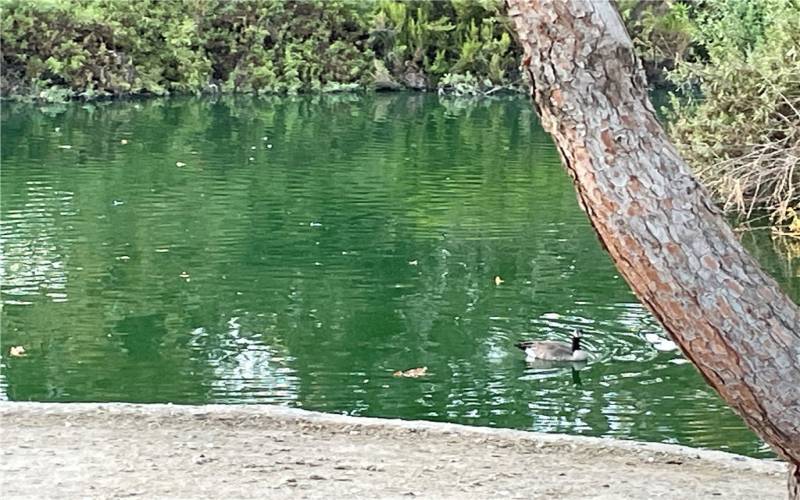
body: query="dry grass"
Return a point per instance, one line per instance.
(764, 176)
(738, 124)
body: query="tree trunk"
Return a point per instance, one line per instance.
(665, 235)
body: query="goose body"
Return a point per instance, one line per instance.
(660, 343)
(553, 350)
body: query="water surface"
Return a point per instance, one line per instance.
(297, 251)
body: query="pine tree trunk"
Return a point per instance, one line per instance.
(665, 235)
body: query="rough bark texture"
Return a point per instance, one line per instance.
(665, 235)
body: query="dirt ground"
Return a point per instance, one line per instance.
(165, 451)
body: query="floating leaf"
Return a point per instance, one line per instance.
(412, 372)
(498, 280)
(17, 351)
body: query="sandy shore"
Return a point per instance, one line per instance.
(165, 451)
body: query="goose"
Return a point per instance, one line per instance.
(553, 350)
(659, 343)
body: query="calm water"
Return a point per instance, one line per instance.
(298, 251)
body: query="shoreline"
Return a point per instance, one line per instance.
(263, 451)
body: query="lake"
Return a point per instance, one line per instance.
(298, 251)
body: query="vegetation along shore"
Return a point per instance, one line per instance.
(730, 66)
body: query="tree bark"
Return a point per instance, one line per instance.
(664, 233)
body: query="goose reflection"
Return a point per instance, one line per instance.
(549, 368)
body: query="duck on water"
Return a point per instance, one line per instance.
(554, 350)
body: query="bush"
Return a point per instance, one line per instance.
(662, 33)
(55, 49)
(737, 61)
(434, 39)
(741, 132)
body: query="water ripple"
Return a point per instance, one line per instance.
(299, 251)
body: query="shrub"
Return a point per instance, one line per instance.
(56, 49)
(737, 62)
(741, 132)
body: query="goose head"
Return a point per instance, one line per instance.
(578, 354)
(577, 334)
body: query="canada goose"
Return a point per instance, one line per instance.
(554, 350)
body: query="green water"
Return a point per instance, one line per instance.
(310, 247)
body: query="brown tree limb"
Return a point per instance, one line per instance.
(665, 235)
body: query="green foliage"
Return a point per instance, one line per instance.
(662, 33)
(58, 49)
(741, 131)
(461, 84)
(437, 38)
(738, 25)
(741, 56)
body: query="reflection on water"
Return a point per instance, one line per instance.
(298, 251)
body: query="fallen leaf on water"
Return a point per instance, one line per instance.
(180, 164)
(498, 280)
(17, 351)
(411, 372)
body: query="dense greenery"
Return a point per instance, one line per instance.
(61, 48)
(741, 56)
(741, 132)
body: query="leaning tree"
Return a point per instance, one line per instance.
(660, 226)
